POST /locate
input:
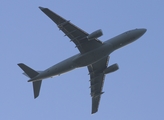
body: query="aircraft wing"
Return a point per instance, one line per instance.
(78, 36)
(97, 81)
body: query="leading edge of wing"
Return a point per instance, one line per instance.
(76, 35)
(97, 81)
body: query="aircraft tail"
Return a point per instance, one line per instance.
(29, 72)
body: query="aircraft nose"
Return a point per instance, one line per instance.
(142, 31)
(139, 32)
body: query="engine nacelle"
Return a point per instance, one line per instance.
(95, 34)
(111, 68)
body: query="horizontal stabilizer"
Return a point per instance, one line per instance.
(28, 76)
(29, 71)
(36, 88)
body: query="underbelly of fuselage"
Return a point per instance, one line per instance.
(93, 56)
(79, 60)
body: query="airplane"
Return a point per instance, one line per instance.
(94, 54)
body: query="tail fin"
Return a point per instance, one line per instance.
(32, 73)
(36, 88)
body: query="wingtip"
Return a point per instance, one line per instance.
(35, 96)
(19, 64)
(93, 112)
(42, 8)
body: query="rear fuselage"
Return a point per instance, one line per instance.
(81, 60)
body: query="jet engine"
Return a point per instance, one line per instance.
(111, 68)
(95, 34)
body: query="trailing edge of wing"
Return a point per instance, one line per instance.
(76, 34)
(97, 81)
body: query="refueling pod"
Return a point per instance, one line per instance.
(111, 68)
(95, 34)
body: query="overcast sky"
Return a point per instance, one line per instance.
(27, 35)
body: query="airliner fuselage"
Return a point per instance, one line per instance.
(94, 54)
(82, 60)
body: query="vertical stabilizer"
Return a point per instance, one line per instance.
(36, 88)
(31, 74)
